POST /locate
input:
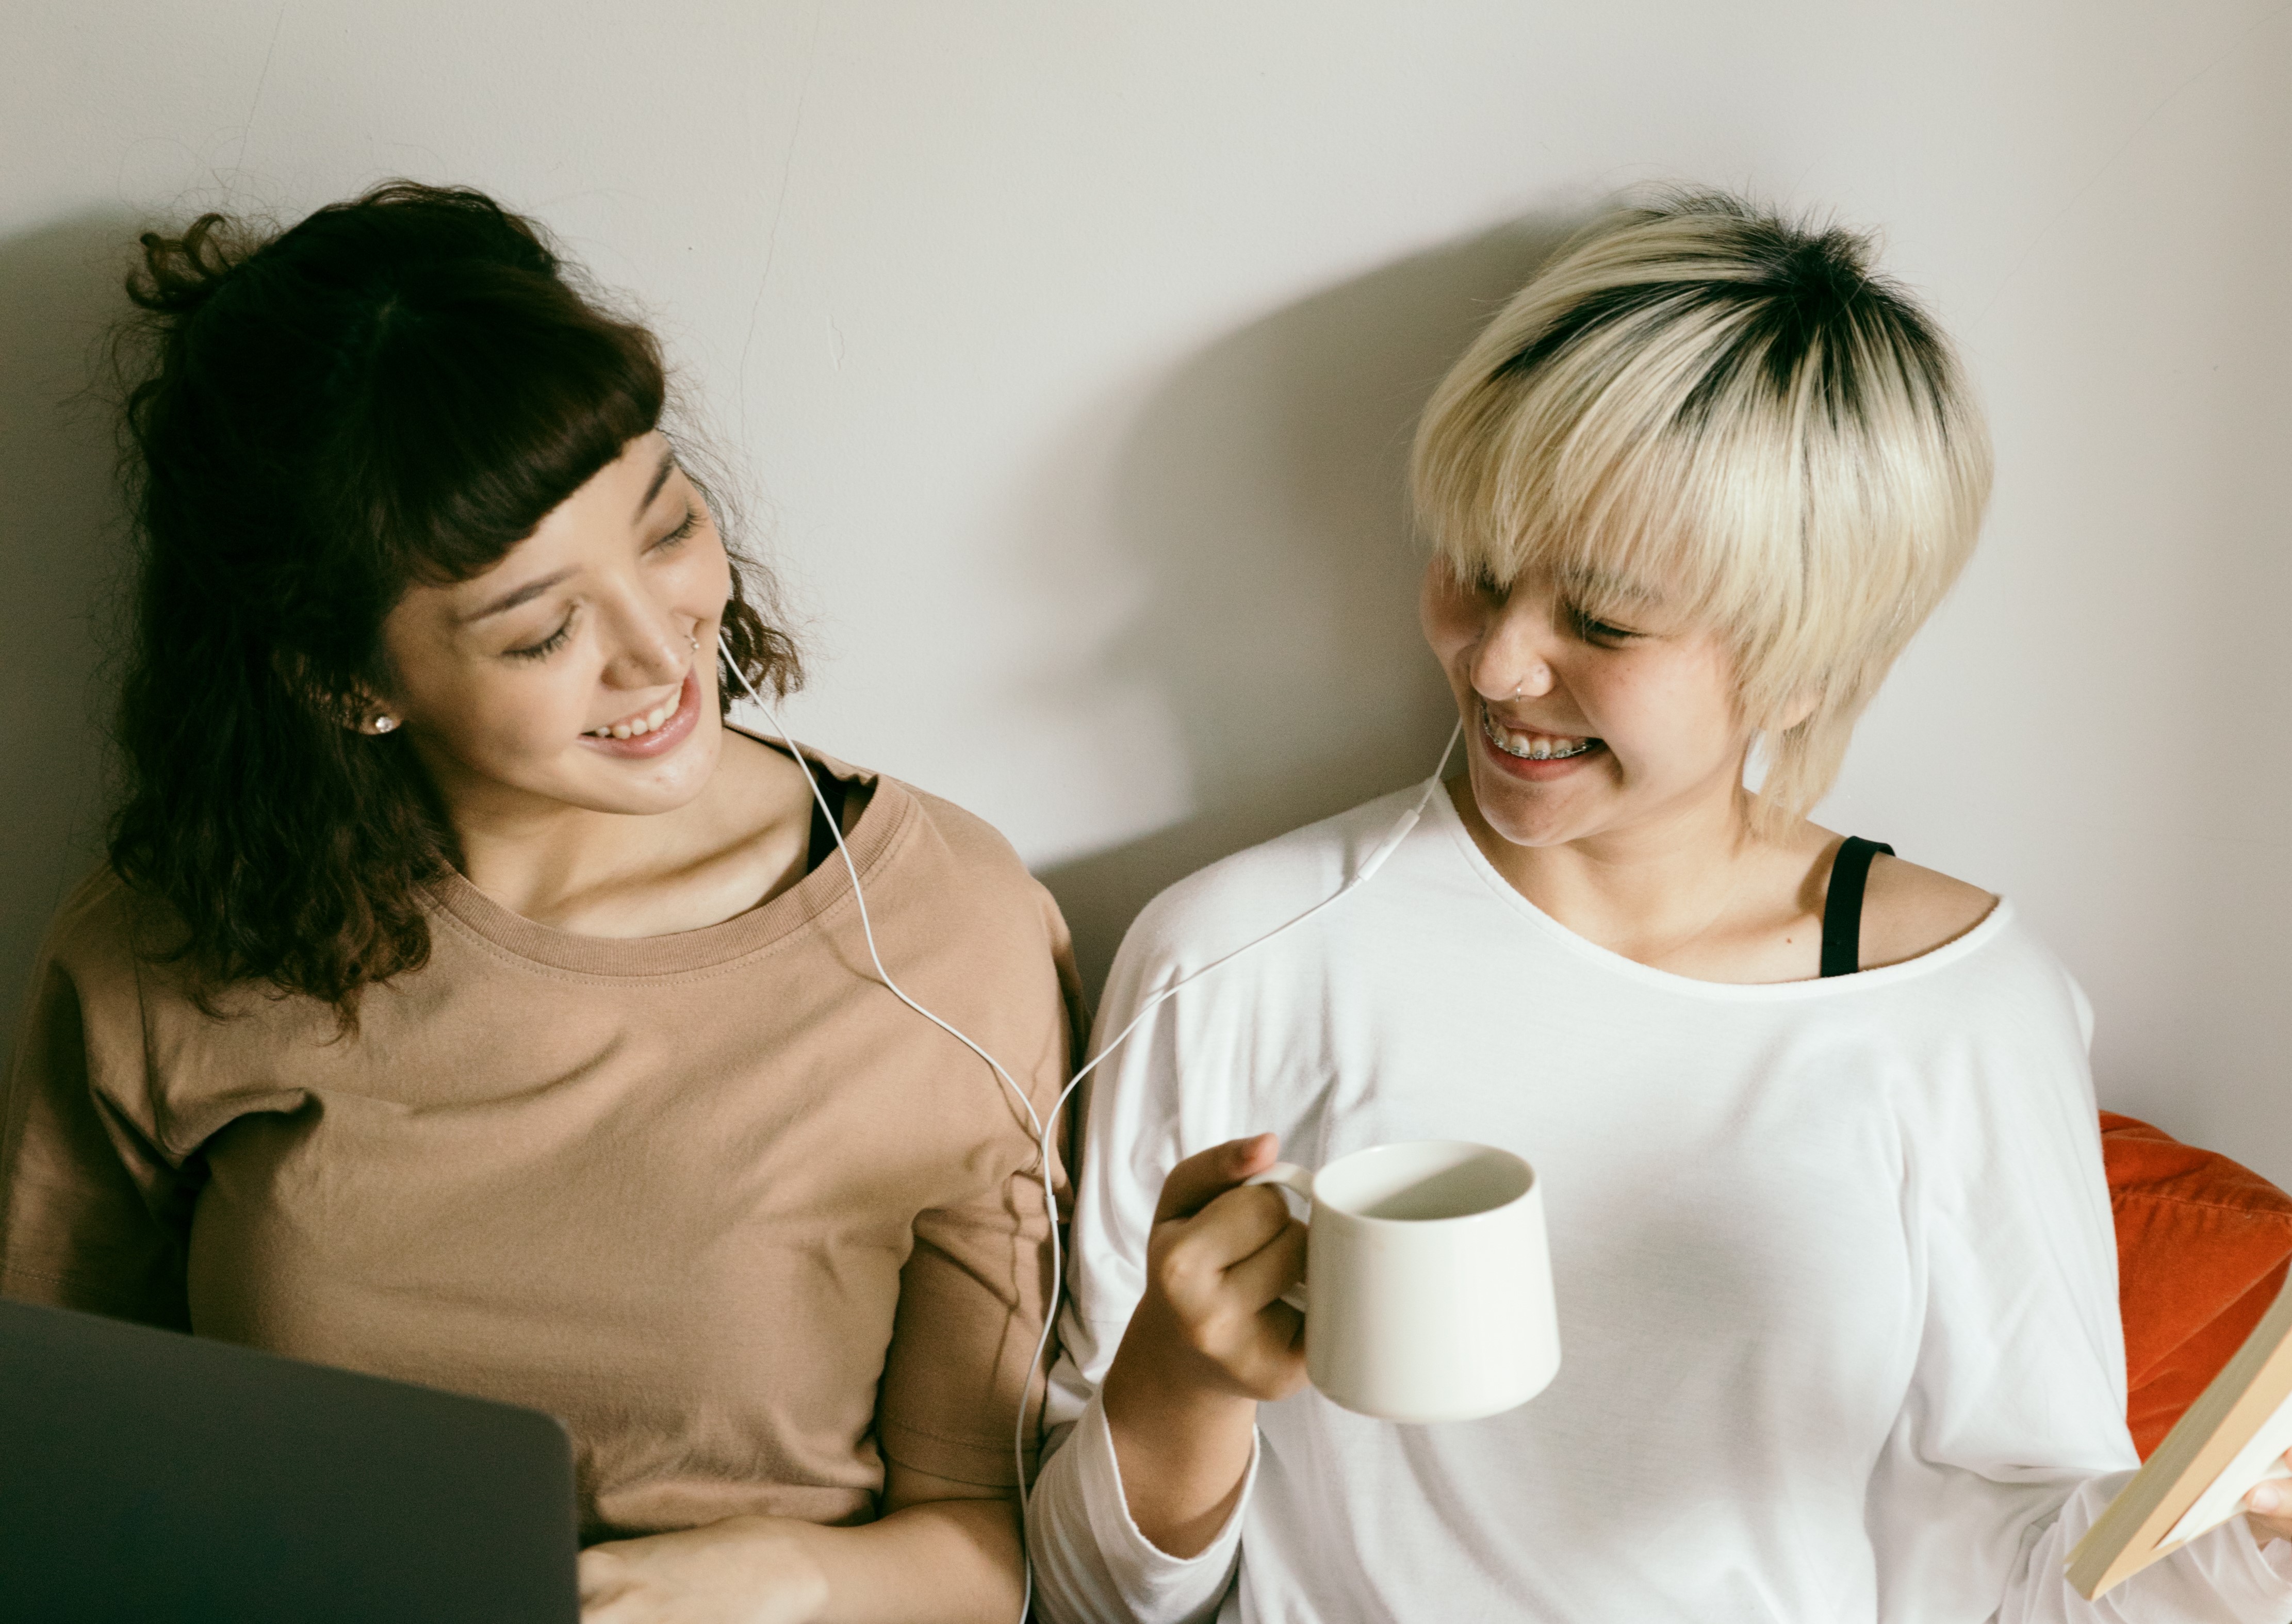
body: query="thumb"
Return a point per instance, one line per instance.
(1206, 1174)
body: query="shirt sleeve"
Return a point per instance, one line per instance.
(2012, 1438)
(975, 1289)
(1092, 1563)
(95, 1215)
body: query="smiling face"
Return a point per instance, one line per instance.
(580, 670)
(1579, 726)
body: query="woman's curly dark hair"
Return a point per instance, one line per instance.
(396, 391)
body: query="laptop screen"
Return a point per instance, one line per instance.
(146, 1474)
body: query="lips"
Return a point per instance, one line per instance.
(657, 738)
(1530, 744)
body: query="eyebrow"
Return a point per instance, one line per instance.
(511, 600)
(659, 479)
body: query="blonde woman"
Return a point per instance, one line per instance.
(1831, 1241)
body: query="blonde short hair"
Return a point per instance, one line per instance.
(1704, 394)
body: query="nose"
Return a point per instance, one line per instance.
(655, 644)
(1513, 658)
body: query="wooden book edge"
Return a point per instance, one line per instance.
(2129, 1534)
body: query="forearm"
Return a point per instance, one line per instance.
(941, 1561)
(1183, 1450)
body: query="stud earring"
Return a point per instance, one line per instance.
(383, 725)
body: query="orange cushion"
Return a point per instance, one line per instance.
(2203, 1248)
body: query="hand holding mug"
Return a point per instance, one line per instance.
(1209, 1340)
(1221, 1253)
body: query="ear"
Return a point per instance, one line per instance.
(1792, 711)
(359, 710)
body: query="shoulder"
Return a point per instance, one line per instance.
(1242, 896)
(97, 940)
(946, 859)
(1965, 968)
(954, 834)
(1909, 911)
(102, 921)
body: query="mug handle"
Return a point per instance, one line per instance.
(1289, 1175)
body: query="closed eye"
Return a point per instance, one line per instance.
(548, 645)
(1606, 634)
(680, 534)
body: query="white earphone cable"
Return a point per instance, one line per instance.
(1042, 1126)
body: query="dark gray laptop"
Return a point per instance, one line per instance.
(152, 1476)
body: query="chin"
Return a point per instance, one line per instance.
(640, 788)
(1525, 819)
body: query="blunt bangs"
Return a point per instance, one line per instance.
(1703, 404)
(482, 410)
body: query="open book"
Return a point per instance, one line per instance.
(2231, 1438)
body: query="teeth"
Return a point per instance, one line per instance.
(1531, 747)
(645, 723)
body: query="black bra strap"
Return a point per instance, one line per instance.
(822, 840)
(1842, 907)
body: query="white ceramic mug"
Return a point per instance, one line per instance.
(1428, 1282)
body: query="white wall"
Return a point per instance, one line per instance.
(1072, 346)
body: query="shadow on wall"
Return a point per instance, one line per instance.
(1261, 491)
(61, 538)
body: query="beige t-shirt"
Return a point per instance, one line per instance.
(743, 1221)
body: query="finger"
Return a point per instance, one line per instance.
(1206, 1174)
(1198, 1251)
(594, 1570)
(1261, 1277)
(602, 1573)
(2270, 1527)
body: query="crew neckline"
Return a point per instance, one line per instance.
(1993, 925)
(880, 826)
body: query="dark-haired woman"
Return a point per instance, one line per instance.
(465, 1002)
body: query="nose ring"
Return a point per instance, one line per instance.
(695, 642)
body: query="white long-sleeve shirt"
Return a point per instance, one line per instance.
(1835, 1272)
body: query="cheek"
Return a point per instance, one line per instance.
(492, 713)
(1680, 709)
(533, 711)
(494, 719)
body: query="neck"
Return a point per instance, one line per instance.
(1647, 890)
(545, 859)
(738, 844)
